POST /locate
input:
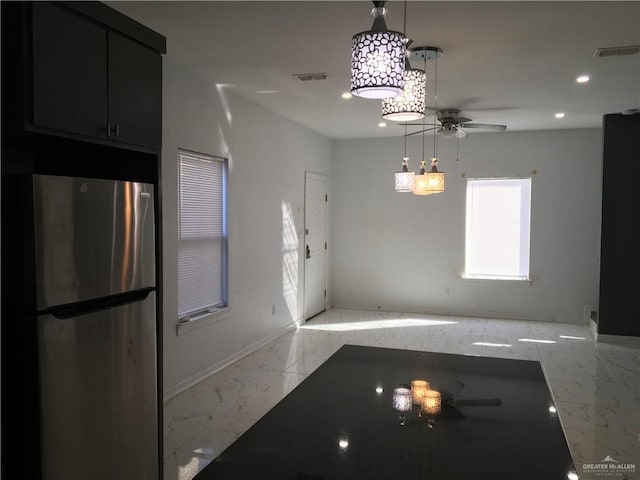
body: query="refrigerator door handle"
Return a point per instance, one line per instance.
(96, 305)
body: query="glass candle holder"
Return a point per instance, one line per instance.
(432, 402)
(418, 389)
(402, 398)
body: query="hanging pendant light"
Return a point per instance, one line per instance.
(405, 180)
(434, 179)
(428, 183)
(421, 183)
(378, 59)
(410, 104)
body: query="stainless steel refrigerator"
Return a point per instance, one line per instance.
(96, 322)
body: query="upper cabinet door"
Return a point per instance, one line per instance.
(135, 92)
(69, 71)
(95, 81)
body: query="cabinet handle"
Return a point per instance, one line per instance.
(116, 129)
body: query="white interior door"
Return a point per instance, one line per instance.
(315, 246)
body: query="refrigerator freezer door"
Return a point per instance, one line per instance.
(94, 238)
(99, 394)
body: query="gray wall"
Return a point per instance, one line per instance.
(405, 253)
(268, 156)
(389, 251)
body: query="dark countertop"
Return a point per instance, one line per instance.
(303, 436)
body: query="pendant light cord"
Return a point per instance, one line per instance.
(423, 135)
(424, 125)
(435, 106)
(405, 141)
(404, 26)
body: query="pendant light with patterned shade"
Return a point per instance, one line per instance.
(405, 180)
(410, 104)
(378, 59)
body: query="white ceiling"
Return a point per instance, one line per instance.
(512, 63)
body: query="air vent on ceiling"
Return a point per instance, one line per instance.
(616, 51)
(305, 77)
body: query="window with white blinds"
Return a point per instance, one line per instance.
(498, 228)
(202, 234)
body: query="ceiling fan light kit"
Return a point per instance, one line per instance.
(450, 131)
(378, 59)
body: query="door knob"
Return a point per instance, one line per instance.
(308, 252)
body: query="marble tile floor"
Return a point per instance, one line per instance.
(596, 385)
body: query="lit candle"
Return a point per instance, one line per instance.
(418, 389)
(431, 402)
(402, 398)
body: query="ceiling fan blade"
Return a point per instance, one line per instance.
(486, 126)
(458, 120)
(419, 131)
(419, 124)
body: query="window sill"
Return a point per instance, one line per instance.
(514, 280)
(202, 320)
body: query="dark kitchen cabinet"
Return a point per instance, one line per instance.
(135, 92)
(69, 72)
(92, 81)
(620, 237)
(90, 74)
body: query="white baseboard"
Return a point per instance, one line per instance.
(189, 382)
(619, 339)
(453, 313)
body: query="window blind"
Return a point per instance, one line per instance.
(201, 233)
(498, 215)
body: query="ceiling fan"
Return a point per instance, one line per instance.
(452, 125)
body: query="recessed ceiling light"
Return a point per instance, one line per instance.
(559, 115)
(382, 124)
(346, 95)
(583, 79)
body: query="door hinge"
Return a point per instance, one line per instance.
(326, 197)
(325, 294)
(325, 245)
